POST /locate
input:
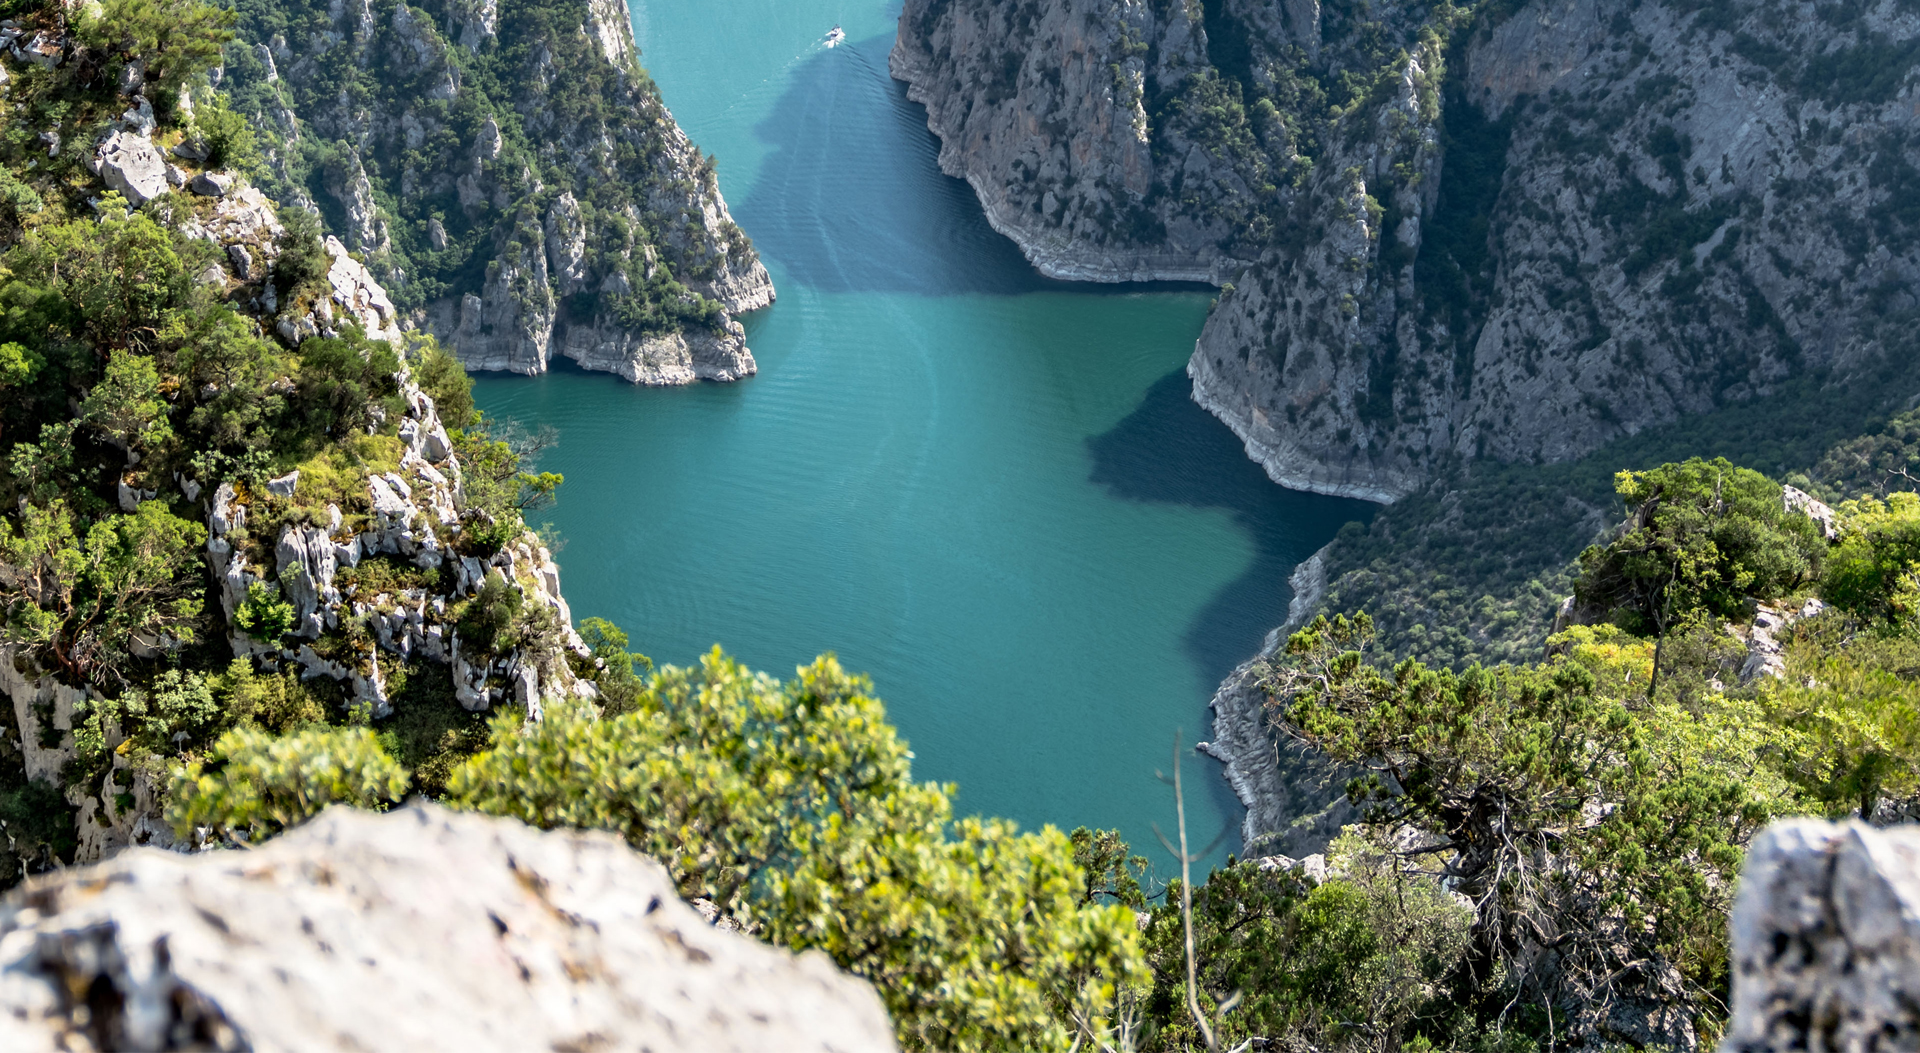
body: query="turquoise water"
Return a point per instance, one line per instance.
(989, 491)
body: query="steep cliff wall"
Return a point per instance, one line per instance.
(298, 466)
(1523, 231)
(509, 172)
(1085, 128)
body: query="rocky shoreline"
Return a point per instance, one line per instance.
(590, 226)
(1295, 801)
(1284, 461)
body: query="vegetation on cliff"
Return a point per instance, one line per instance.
(1546, 847)
(1475, 566)
(449, 142)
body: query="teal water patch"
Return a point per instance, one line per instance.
(988, 490)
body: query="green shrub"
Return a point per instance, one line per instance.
(263, 615)
(253, 784)
(1874, 572)
(228, 137)
(488, 617)
(621, 677)
(793, 806)
(343, 381)
(445, 380)
(279, 703)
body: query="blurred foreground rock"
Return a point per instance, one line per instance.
(422, 929)
(1826, 940)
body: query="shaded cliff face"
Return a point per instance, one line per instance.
(509, 172)
(1523, 232)
(1084, 127)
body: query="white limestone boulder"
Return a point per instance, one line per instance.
(1826, 940)
(422, 929)
(131, 164)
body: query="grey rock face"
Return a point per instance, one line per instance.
(1042, 109)
(555, 266)
(420, 929)
(211, 184)
(1680, 210)
(1826, 940)
(1798, 500)
(130, 164)
(1767, 640)
(306, 566)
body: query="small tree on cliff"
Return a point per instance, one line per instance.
(1701, 537)
(1598, 841)
(76, 594)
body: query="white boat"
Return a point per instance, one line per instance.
(835, 36)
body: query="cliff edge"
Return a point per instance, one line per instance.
(512, 176)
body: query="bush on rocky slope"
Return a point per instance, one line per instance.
(1542, 789)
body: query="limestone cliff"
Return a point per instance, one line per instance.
(1507, 231)
(374, 562)
(1043, 106)
(421, 929)
(511, 175)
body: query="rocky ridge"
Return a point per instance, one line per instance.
(441, 930)
(509, 172)
(1524, 229)
(296, 549)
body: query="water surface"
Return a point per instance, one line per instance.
(988, 490)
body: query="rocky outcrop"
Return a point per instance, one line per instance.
(44, 713)
(282, 541)
(1766, 639)
(1518, 234)
(413, 516)
(131, 164)
(436, 930)
(522, 192)
(1826, 940)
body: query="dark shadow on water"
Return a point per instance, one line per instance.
(852, 198)
(1170, 450)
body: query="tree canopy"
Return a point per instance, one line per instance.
(1700, 536)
